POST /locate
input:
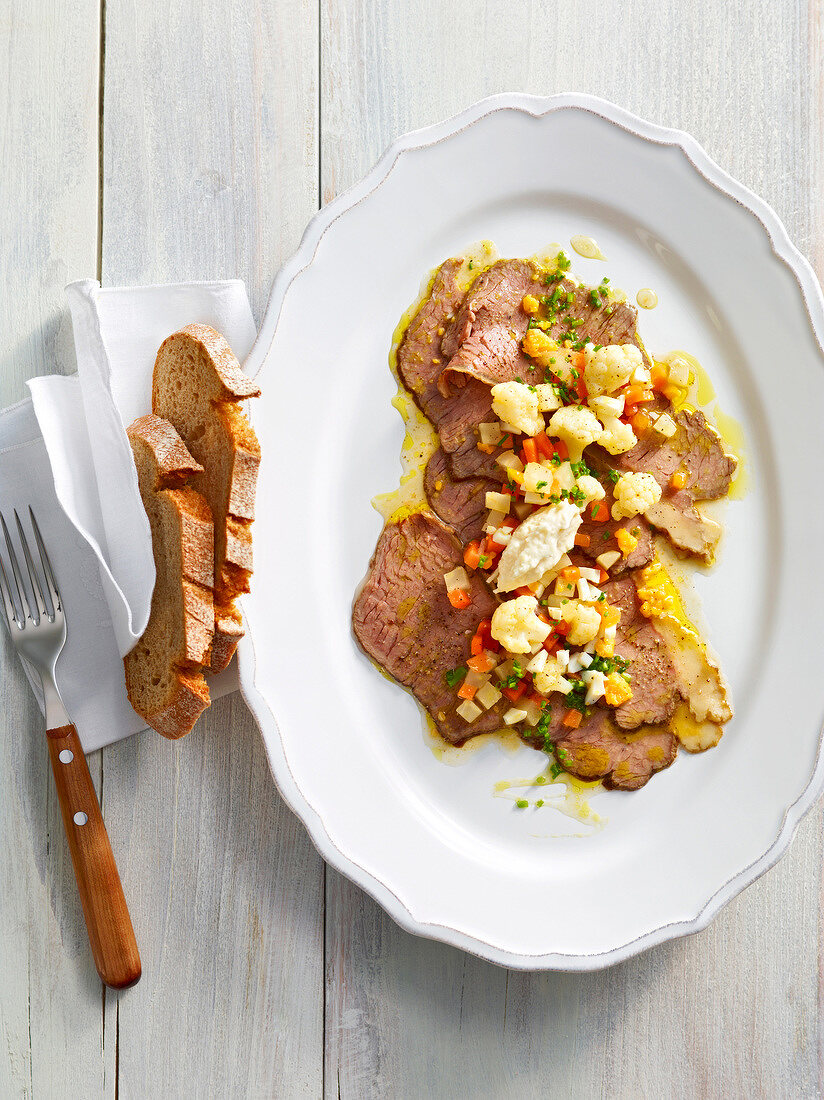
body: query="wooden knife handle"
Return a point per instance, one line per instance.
(104, 905)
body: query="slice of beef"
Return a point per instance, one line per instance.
(654, 684)
(597, 749)
(403, 618)
(607, 323)
(420, 362)
(484, 340)
(602, 538)
(461, 504)
(697, 450)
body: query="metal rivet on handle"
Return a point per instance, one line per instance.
(66, 756)
(80, 818)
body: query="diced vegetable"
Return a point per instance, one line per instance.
(608, 559)
(665, 426)
(469, 711)
(488, 695)
(637, 395)
(679, 480)
(515, 693)
(590, 574)
(529, 452)
(472, 554)
(679, 372)
(626, 541)
(513, 716)
(529, 304)
(476, 679)
(640, 422)
(483, 662)
(599, 512)
(498, 502)
(466, 691)
(490, 433)
(583, 540)
(456, 579)
(460, 598)
(510, 461)
(572, 719)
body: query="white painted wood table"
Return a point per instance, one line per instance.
(176, 139)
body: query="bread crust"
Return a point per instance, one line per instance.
(205, 410)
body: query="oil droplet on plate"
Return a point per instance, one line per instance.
(587, 247)
(646, 298)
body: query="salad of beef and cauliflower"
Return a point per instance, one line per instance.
(525, 591)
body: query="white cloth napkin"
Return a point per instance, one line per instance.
(64, 451)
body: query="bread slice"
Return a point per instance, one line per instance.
(197, 385)
(164, 672)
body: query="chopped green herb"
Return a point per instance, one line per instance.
(555, 770)
(540, 802)
(455, 675)
(580, 469)
(522, 803)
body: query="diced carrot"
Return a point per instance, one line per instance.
(571, 574)
(552, 643)
(486, 448)
(678, 480)
(637, 395)
(510, 521)
(536, 698)
(640, 422)
(572, 719)
(599, 512)
(482, 662)
(604, 575)
(506, 442)
(460, 598)
(544, 445)
(523, 590)
(476, 645)
(672, 393)
(581, 389)
(491, 549)
(472, 554)
(660, 376)
(582, 540)
(530, 451)
(562, 628)
(561, 450)
(514, 694)
(466, 691)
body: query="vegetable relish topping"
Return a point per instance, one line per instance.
(551, 642)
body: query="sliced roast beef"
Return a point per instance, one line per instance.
(405, 622)
(654, 685)
(597, 749)
(605, 323)
(420, 362)
(461, 504)
(696, 450)
(602, 538)
(484, 340)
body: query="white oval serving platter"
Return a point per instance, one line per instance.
(429, 841)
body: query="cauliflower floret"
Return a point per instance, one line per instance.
(578, 427)
(584, 622)
(634, 494)
(609, 368)
(592, 489)
(516, 626)
(517, 405)
(617, 437)
(548, 677)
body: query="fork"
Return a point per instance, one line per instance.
(39, 637)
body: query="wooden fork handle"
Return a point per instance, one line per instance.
(101, 893)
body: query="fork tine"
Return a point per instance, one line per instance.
(34, 576)
(18, 580)
(48, 572)
(5, 592)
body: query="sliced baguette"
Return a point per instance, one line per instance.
(197, 385)
(164, 672)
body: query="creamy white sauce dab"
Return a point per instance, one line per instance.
(587, 247)
(646, 298)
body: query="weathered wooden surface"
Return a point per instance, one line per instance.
(265, 975)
